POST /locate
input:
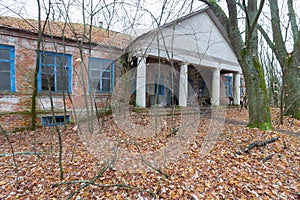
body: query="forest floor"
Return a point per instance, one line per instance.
(238, 163)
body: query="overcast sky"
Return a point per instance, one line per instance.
(123, 16)
(141, 14)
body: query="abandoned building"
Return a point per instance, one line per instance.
(201, 62)
(72, 66)
(64, 56)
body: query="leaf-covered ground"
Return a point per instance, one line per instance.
(228, 171)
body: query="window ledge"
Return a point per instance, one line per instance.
(3, 92)
(53, 93)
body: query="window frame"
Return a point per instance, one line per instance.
(54, 120)
(11, 62)
(241, 87)
(112, 75)
(69, 66)
(228, 83)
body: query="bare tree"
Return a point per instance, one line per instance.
(273, 73)
(247, 52)
(289, 61)
(41, 30)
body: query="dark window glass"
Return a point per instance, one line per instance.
(5, 54)
(62, 78)
(55, 72)
(5, 68)
(5, 80)
(100, 75)
(48, 78)
(106, 85)
(48, 59)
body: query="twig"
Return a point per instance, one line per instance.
(103, 169)
(148, 164)
(257, 144)
(73, 151)
(70, 182)
(34, 149)
(12, 153)
(267, 158)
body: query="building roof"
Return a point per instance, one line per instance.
(73, 31)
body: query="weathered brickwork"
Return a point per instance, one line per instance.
(15, 106)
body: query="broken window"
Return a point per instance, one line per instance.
(101, 75)
(55, 72)
(7, 69)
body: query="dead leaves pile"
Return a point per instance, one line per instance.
(269, 172)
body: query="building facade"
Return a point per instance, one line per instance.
(187, 61)
(70, 70)
(200, 60)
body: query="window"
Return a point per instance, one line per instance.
(56, 120)
(7, 68)
(228, 86)
(55, 72)
(101, 75)
(202, 88)
(241, 87)
(159, 88)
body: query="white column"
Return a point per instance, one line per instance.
(215, 93)
(236, 88)
(141, 83)
(183, 85)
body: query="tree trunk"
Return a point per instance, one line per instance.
(289, 62)
(256, 90)
(246, 51)
(292, 87)
(36, 71)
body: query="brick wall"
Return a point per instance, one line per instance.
(15, 106)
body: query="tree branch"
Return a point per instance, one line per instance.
(246, 13)
(277, 35)
(267, 38)
(257, 144)
(292, 17)
(254, 23)
(148, 164)
(217, 10)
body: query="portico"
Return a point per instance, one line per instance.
(198, 57)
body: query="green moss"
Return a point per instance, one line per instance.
(258, 67)
(264, 126)
(16, 113)
(140, 110)
(104, 112)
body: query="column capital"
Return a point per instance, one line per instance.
(182, 63)
(217, 69)
(240, 73)
(141, 53)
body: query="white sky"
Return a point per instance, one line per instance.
(139, 13)
(129, 16)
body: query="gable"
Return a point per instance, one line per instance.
(193, 38)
